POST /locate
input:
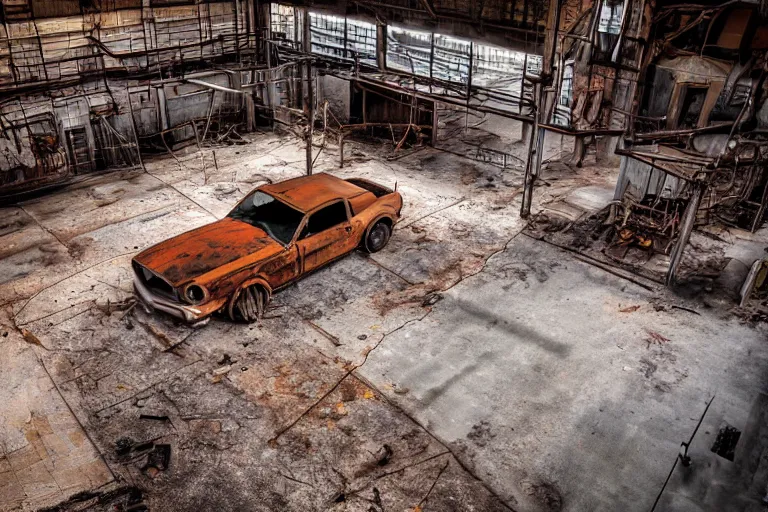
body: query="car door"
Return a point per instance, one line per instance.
(325, 236)
(283, 268)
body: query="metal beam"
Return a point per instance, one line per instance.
(213, 86)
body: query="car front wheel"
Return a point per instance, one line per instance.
(378, 236)
(250, 304)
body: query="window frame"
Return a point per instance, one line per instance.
(292, 37)
(305, 224)
(279, 200)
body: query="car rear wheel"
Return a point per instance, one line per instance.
(377, 237)
(250, 304)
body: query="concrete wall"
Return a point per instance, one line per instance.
(336, 92)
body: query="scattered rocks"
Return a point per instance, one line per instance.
(545, 493)
(647, 367)
(481, 433)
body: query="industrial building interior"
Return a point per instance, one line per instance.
(570, 314)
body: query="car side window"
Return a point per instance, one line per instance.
(325, 218)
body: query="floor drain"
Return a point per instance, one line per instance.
(725, 444)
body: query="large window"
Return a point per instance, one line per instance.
(282, 22)
(610, 17)
(566, 89)
(361, 39)
(448, 58)
(561, 116)
(451, 59)
(342, 38)
(608, 29)
(409, 50)
(495, 67)
(327, 34)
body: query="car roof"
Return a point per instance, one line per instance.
(307, 192)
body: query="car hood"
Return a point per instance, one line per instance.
(197, 252)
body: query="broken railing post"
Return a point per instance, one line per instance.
(686, 226)
(543, 101)
(531, 169)
(341, 150)
(435, 121)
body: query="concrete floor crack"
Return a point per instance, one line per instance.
(390, 271)
(459, 201)
(485, 262)
(68, 276)
(349, 372)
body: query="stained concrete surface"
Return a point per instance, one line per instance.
(532, 371)
(464, 367)
(45, 455)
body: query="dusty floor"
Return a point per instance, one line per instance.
(467, 366)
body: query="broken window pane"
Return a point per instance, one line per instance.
(502, 69)
(610, 17)
(451, 59)
(275, 218)
(409, 50)
(282, 22)
(343, 38)
(327, 34)
(566, 89)
(608, 29)
(361, 41)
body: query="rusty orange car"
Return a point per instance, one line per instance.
(277, 234)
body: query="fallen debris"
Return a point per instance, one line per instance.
(431, 299)
(108, 307)
(655, 338)
(221, 370)
(153, 417)
(118, 499)
(753, 305)
(689, 310)
(418, 508)
(384, 455)
(157, 460)
(31, 338)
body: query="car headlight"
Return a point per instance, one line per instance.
(194, 294)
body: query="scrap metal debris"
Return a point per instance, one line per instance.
(431, 299)
(158, 460)
(655, 338)
(30, 338)
(148, 457)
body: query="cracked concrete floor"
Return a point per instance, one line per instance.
(520, 385)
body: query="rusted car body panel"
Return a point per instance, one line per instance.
(226, 256)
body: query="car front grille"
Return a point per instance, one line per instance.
(154, 283)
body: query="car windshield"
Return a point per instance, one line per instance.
(274, 217)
